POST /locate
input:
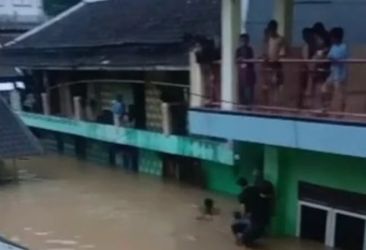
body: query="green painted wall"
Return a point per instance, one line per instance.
(223, 178)
(220, 178)
(97, 152)
(150, 162)
(334, 171)
(49, 142)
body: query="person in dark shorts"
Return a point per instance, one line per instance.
(240, 226)
(247, 76)
(321, 70)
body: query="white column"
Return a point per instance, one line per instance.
(196, 81)
(77, 108)
(231, 20)
(15, 100)
(45, 104)
(116, 120)
(166, 115)
(283, 14)
(244, 15)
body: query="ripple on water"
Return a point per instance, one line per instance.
(62, 242)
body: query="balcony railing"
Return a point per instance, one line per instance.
(204, 149)
(294, 87)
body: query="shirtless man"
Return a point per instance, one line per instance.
(274, 49)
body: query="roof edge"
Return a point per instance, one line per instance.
(47, 24)
(96, 46)
(109, 68)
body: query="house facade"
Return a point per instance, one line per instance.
(79, 65)
(316, 161)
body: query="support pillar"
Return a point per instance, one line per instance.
(271, 164)
(77, 108)
(196, 81)
(272, 173)
(166, 121)
(245, 8)
(231, 26)
(283, 14)
(15, 100)
(45, 104)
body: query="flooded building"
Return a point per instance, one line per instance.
(314, 157)
(113, 87)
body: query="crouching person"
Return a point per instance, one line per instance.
(240, 227)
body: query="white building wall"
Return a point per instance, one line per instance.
(21, 10)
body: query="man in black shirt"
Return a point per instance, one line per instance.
(261, 212)
(247, 196)
(247, 199)
(256, 202)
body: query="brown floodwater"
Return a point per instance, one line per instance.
(65, 204)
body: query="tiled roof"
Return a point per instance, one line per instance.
(97, 58)
(16, 140)
(118, 22)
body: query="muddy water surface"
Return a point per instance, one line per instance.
(66, 204)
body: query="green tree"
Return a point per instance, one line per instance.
(54, 7)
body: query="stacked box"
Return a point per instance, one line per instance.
(153, 108)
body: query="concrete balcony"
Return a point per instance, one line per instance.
(296, 118)
(329, 136)
(179, 145)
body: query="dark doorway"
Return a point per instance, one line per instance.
(183, 169)
(350, 232)
(126, 158)
(80, 147)
(313, 224)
